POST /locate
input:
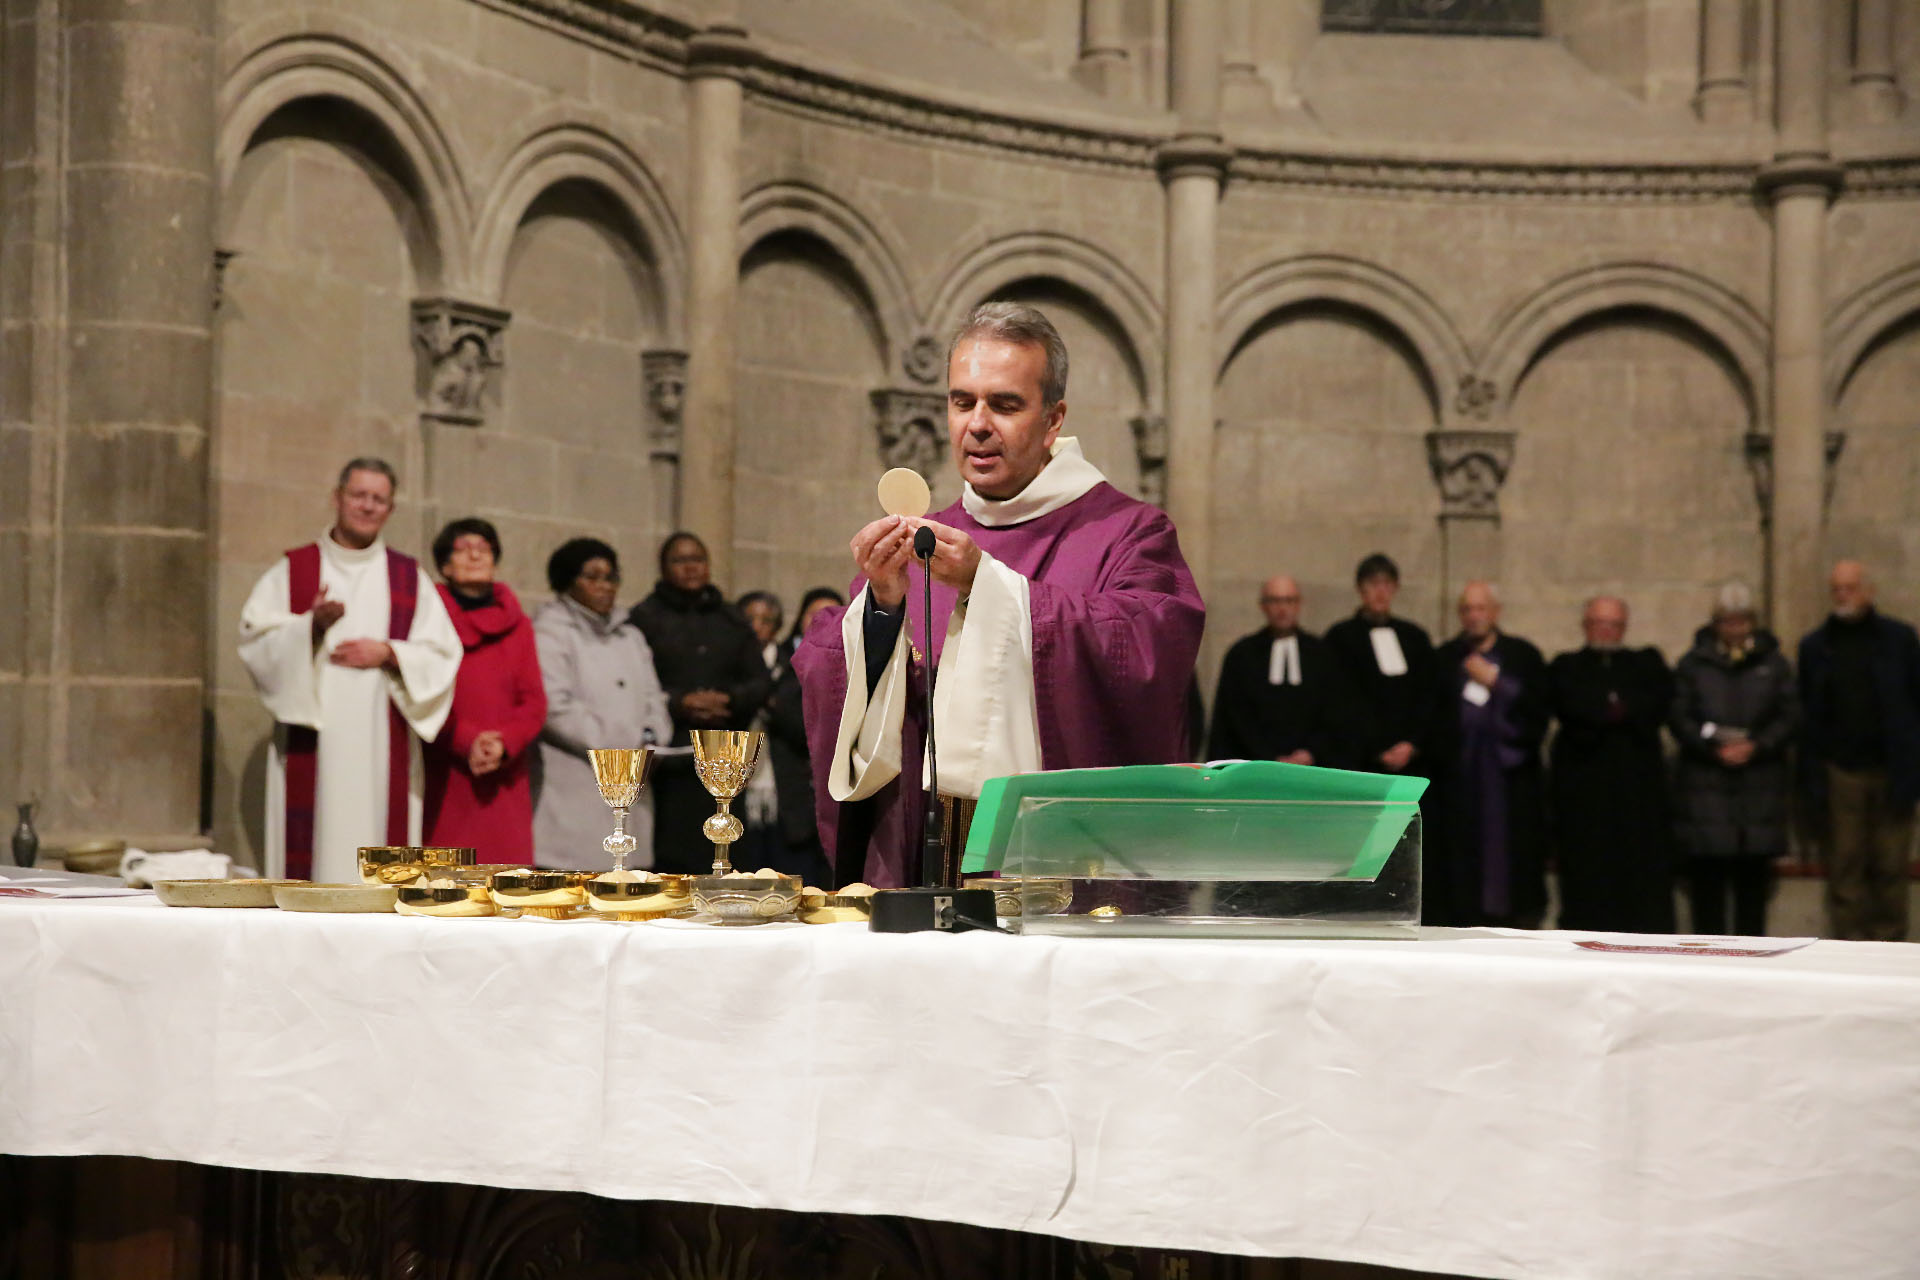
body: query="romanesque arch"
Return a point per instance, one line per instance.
(1859, 323)
(872, 255)
(285, 71)
(576, 153)
(1082, 267)
(1730, 324)
(1392, 300)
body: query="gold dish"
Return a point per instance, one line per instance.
(390, 864)
(335, 898)
(1045, 895)
(817, 906)
(638, 895)
(741, 899)
(95, 857)
(448, 856)
(217, 893)
(551, 895)
(445, 898)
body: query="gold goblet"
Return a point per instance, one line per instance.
(621, 773)
(724, 760)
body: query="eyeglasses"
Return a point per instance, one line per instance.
(613, 578)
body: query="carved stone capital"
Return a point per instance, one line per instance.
(1150, 447)
(721, 50)
(924, 360)
(1760, 466)
(665, 376)
(461, 348)
(911, 427)
(1193, 157)
(1470, 467)
(1800, 176)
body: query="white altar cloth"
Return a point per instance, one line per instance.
(1477, 1102)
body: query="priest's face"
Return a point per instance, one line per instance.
(1002, 435)
(1605, 622)
(361, 507)
(1479, 610)
(1377, 593)
(1280, 601)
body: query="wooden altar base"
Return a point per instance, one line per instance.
(120, 1218)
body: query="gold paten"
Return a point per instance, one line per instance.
(627, 895)
(1031, 895)
(724, 759)
(552, 895)
(391, 864)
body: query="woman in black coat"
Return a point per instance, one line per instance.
(709, 663)
(1734, 713)
(787, 745)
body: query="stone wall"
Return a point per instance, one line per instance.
(1538, 303)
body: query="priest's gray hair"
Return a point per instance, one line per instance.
(379, 466)
(1028, 326)
(1733, 598)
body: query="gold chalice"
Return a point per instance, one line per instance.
(621, 773)
(724, 759)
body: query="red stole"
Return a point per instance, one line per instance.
(303, 743)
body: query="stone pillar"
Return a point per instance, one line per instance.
(1724, 96)
(1104, 64)
(1799, 183)
(717, 56)
(1876, 93)
(1192, 167)
(1244, 91)
(1469, 465)
(109, 194)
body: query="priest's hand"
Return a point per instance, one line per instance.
(1301, 756)
(956, 558)
(489, 751)
(1736, 754)
(325, 613)
(1397, 757)
(367, 655)
(1481, 672)
(881, 552)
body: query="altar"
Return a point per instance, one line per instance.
(1479, 1102)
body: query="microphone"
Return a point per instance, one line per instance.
(923, 542)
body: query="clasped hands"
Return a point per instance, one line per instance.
(364, 654)
(883, 550)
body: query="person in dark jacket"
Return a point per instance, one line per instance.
(787, 750)
(1485, 838)
(1860, 754)
(710, 665)
(1281, 692)
(1733, 717)
(1389, 667)
(1613, 834)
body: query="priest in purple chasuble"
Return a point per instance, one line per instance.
(1065, 622)
(352, 652)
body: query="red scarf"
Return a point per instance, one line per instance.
(303, 743)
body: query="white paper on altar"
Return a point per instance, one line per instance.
(1480, 1102)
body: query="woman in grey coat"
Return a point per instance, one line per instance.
(1734, 713)
(601, 692)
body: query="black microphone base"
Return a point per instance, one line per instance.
(936, 909)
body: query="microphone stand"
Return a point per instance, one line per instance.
(933, 833)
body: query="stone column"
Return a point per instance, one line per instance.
(1104, 64)
(1876, 93)
(1724, 96)
(718, 58)
(1193, 167)
(1799, 183)
(1244, 91)
(110, 198)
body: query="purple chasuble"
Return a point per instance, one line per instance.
(1487, 752)
(1116, 628)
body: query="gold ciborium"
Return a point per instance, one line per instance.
(621, 773)
(724, 759)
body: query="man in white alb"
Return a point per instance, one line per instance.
(351, 650)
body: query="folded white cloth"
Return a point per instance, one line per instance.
(140, 868)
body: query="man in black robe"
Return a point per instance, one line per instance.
(1611, 826)
(1388, 664)
(1485, 840)
(1280, 691)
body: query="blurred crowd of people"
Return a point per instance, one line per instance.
(1601, 800)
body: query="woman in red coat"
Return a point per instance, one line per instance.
(478, 792)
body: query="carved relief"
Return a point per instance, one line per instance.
(924, 360)
(461, 346)
(1470, 467)
(325, 1226)
(221, 259)
(665, 375)
(1474, 397)
(1150, 447)
(1760, 465)
(912, 429)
